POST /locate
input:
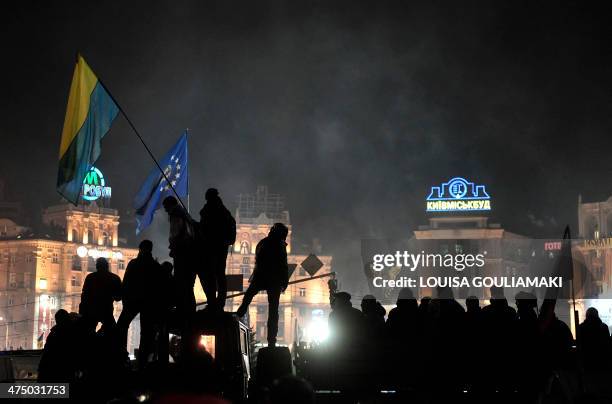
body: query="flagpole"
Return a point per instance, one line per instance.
(187, 140)
(143, 143)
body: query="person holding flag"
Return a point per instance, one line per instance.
(162, 187)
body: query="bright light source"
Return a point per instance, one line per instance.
(208, 343)
(42, 283)
(117, 255)
(317, 331)
(82, 251)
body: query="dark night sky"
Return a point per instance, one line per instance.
(352, 110)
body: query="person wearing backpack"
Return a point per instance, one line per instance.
(218, 233)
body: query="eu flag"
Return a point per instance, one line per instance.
(156, 188)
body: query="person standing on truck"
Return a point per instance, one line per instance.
(143, 289)
(100, 289)
(182, 250)
(271, 274)
(218, 234)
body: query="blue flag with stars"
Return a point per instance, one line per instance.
(156, 188)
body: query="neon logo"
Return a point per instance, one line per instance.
(458, 194)
(94, 186)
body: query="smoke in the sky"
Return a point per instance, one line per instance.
(352, 110)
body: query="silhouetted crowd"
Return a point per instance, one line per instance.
(437, 345)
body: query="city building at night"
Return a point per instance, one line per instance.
(44, 271)
(592, 254)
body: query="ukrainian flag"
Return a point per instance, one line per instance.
(89, 115)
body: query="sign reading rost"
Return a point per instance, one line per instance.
(94, 186)
(458, 195)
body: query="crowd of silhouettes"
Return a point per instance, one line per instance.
(494, 348)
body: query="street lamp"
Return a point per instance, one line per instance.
(5, 334)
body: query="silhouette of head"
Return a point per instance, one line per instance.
(342, 299)
(102, 264)
(167, 266)
(472, 303)
(592, 314)
(169, 203)
(62, 317)
(445, 292)
(279, 231)
(212, 195)
(368, 303)
(146, 246)
(525, 301)
(425, 301)
(291, 389)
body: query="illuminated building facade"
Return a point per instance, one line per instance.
(45, 272)
(304, 307)
(592, 253)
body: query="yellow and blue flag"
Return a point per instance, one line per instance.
(90, 113)
(156, 188)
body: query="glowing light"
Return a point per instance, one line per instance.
(82, 251)
(208, 343)
(94, 253)
(42, 283)
(94, 185)
(458, 194)
(317, 331)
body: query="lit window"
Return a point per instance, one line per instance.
(55, 258)
(244, 247)
(76, 263)
(42, 283)
(75, 281)
(91, 264)
(302, 292)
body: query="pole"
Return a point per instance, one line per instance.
(290, 283)
(127, 118)
(187, 136)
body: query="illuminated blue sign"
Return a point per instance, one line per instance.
(94, 186)
(458, 194)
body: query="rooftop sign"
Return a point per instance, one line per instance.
(94, 186)
(458, 195)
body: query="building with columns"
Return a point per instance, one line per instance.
(43, 272)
